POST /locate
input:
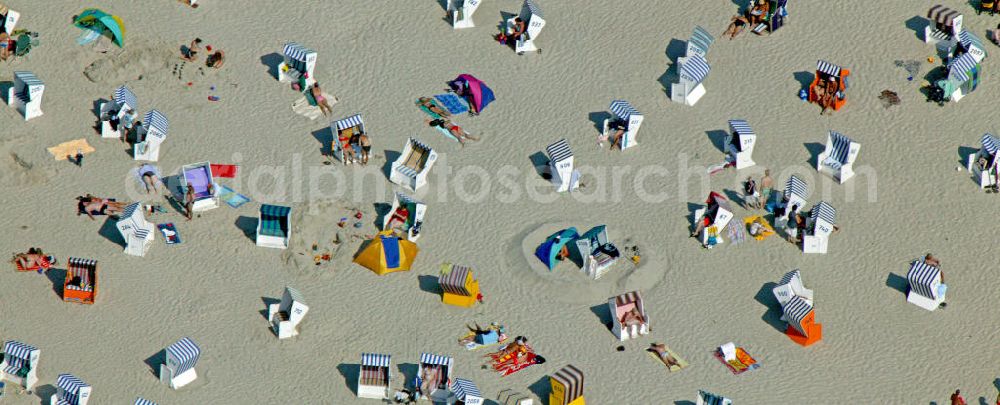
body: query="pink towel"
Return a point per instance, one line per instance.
(225, 171)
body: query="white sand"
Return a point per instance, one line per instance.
(377, 60)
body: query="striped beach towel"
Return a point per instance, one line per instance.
(735, 232)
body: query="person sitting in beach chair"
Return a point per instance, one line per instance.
(429, 104)
(344, 137)
(398, 218)
(216, 60)
(758, 12)
(34, 259)
(519, 28)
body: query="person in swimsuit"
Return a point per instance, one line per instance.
(345, 144)
(736, 26)
(766, 185)
(618, 128)
(321, 101)
(520, 27)
(398, 218)
(191, 52)
(149, 179)
(33, 258)
(660, 350)
(632, 318)
(6, 46)
(366, 147)
(453, 129)
(216, 60)
(427, 103)
(189, 202)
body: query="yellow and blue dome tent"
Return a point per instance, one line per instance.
(387, 253)
(98, 21)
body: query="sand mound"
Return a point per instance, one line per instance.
(316, 224)
(129, 65)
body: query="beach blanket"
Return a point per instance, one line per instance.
(736, 233)
(741, 364)
(468, 341)
(70, 148)
(435, 116)
(147, 168)
(225, 171)
(231, 197)
(308, 109)
(681, 363)
(169, 233)
(766, 231)
(46, 264)
(453, 103)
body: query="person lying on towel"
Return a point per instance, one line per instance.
(660, 350)
(34, 258)
(91, 206)
(427, 103)
(453, 129)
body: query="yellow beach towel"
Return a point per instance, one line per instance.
(70, 148)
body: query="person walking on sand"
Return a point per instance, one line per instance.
(766, 185)
(750, 197)
(956, 398)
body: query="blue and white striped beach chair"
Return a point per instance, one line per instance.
(838, 158)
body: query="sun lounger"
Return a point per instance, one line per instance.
(286, 315)
(532, 17)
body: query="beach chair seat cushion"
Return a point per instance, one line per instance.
(272, 226)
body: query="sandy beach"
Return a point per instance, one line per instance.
(488, 207)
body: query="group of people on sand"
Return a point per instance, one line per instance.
(753, 16)
(827, 91)
(356, 145)
(444, 121)
(214, 60)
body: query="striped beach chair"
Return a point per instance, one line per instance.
(375, 376)
(619, 306)
(178, 370)
(143, 401)
(343, 130)
(461, 13)
(466, 392)
(511, 397)
(964, 74)
(151, 134)
(826, 73)
(596, 251)
(274, 228)
(567, 386)
(719, 213)
(26, 94)
(414, 221)
(632, 118)
(837, 159)
(136, 230)
(790, 286)
(699, 42)
(199, 177)
(70, 390)
(795, 194)
(689, 89)
(286, 315)
(987, 175)
(926, 286)
(534, 20)
(298, 61)
(708, 398)
(801, 318)
(819, 226)
(774, 19)
(433, 373)
(971, 44)
(20, 364)
(121, 102)
(943, 26)
(410, 170)
(740, 143)
(80, 284)
(564, 177)
(458, 286)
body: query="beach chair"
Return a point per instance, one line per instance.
(461, 13)
(964, 74)
(632, 118)
(988, 175)
(564, 177)
(943, 27)
(987, 6)
(143, 401)
(26, 94)
(136, 230)
(567, 386)
(969, 43)
(511, 397)
(708, 398)
(70, 390)
(774, 19)
(375, 376)
(596, 252)
(719, 215)
(740, 144)
(533, 19)
(801, 319)
(19, 364)
(699, 42)
(414, 221)
(298, 61)
(621, 305)
(837, 159)
(433, 373)
(286, 315)
(274, 228)
(178, 370)
(10, 21)
(791, 286)
(827, 72)
(689, 89)
(80, 284)
(150, 135)
(411, 168)
(794, 195)
(819, 226)
(926, 288)
(199, 176)
(343, 130)
(466, 392)
(122, 101)
(458, 286)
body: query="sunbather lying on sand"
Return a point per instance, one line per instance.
(149, 180)
(660, 350)
(216, 60)
(33, 258)
(91, 205)
(455, 130)
(6, 46)
(736, 26)
(428, 103)
(321, 101)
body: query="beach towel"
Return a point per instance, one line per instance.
(231, 197)
(453, 103)
(87, 37)
(147, 168)
(169, 232)
(70, 148)
(225, 171)
(681, 363)
(741, 364)
(303, 107)
(46, 264)
(766, 231)
(736, 233)
(468, 341)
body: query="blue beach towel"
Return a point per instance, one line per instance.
(453, 103)
(231, 197)
(169, 233)
(390, 245)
